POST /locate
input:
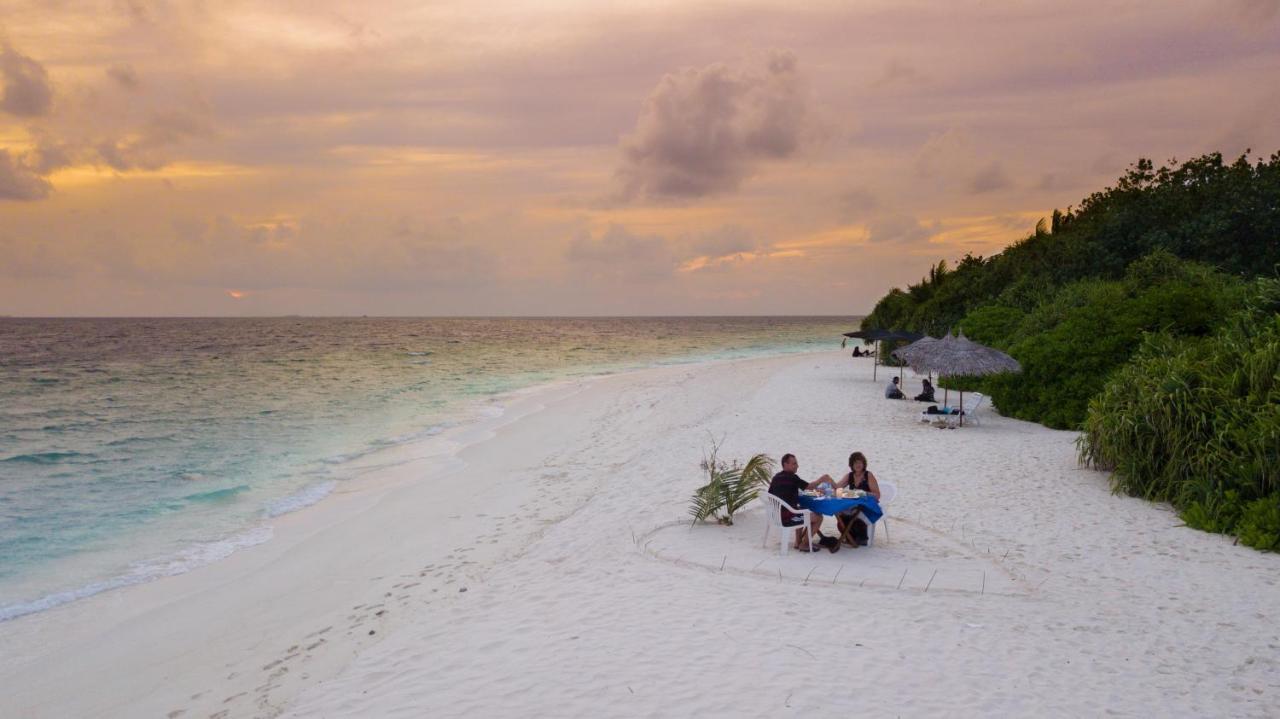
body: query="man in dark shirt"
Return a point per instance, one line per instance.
(786, 485)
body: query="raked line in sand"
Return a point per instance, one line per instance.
(587, 594)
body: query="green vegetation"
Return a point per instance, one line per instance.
(1126, 315)
(730, 486)
(1197, 423)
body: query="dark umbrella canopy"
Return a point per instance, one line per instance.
(877, 335)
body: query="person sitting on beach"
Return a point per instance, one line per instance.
(857, 478)
(891, 390)
(857, 352)
(926, 394)
(786, 485)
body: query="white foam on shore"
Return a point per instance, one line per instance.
(298, 500)
(197, 555)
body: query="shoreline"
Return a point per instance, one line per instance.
(371, 477)
(468, 413)
(547, 565)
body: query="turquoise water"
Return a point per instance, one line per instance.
(137, 448)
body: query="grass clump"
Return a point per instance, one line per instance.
(1197, 423)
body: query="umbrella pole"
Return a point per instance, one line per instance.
(875, 362)
(961, 408)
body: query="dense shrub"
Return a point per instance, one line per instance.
(1197, 423)
(1071, 343)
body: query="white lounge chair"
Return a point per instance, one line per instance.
(888, 490)
(773, 520)
(971, 413)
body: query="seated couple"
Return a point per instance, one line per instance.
(892, 391)
(786, 485)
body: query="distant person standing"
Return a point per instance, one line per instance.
(891, 390)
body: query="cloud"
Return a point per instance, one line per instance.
(857, 203)
(704, 131)
(26, 85)
(51, 154)
(124, 75)
(989, 179)
(253, 256)
(944, 153)
(898, 228)
(18, 181)
(898, 72)
(620, 253)
(144, 149)
(31, 259)
(1253, 13)
(949, 157)
(727, 240)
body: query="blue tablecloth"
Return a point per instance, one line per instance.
(830, 507)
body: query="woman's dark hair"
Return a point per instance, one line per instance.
(855, 457)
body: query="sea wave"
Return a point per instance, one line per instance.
(298, 500)
(380, 444)
(217, 495)
(42, 457)
(184, 561)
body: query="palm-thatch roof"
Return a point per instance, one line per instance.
(914, 353)
(954, 356)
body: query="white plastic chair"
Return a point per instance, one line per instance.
(888, 490)
(773, 520)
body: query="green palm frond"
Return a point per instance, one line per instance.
(758, 470)
(705, 502)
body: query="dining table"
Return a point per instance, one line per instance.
(831, 506)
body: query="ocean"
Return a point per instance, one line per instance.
(132, 449)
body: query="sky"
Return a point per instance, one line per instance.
(396, 157)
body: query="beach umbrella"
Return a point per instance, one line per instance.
(959, 356)
(877, 335)
(913, 354)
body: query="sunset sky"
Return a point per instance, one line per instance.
(579, 158)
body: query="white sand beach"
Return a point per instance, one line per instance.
(541, 563)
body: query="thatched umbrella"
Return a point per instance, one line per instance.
(960, 356)
(914, 353)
